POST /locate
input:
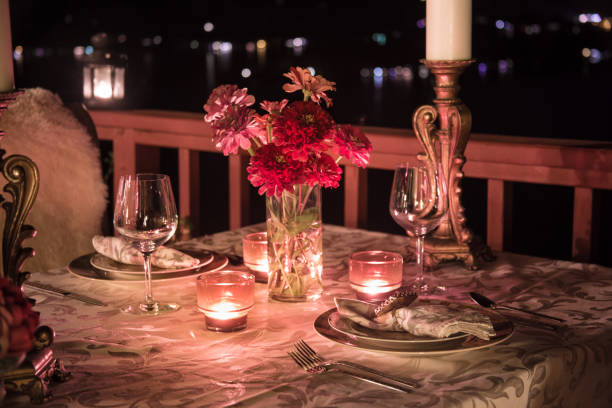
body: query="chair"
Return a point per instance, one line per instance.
(72, 197)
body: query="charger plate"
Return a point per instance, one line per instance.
(82, 267)
(333, 327)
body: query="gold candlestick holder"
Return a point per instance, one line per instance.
(444, 145)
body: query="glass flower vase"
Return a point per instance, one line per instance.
(295, 244)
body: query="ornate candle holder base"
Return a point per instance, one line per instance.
(444, 131)
(441, 250)
(39, 370)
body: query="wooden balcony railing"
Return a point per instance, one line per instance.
(501, 160)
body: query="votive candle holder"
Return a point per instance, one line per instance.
(375, 274)
(255, 254)
(225, 298)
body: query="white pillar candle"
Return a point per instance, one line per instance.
(7, 82)
(448, 30)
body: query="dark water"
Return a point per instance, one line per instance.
(550, 91)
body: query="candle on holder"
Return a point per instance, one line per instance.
(375, 274)
(255, 254)
(448, 30)
(7, 81)
(225, 298)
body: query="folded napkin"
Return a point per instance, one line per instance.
(122, 250)
(432, 318)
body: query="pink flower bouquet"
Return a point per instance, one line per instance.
(295, 148)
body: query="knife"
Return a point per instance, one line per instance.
(62, 292)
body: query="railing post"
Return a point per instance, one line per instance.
(355, 197)
(499, 213)
(124, 156)
(239, 199)
(189, 192)
(582, 225)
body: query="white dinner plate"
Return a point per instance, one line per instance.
(104, 263)
(343, 333)
(82, 267)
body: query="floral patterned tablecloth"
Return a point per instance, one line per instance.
(172, 360)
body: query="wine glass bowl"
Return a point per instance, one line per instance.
(145, 214)
(418, 204)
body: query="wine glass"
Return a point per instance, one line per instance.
(145, 213)
(418, 203)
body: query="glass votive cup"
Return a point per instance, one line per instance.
(225, 298)
(375, 274)
(255, 254)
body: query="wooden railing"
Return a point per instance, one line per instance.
(500, 160)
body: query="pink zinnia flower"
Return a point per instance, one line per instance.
(352, 144)
(322, 170)
(273, 172)
(313, 87)
(302, 128)
(234, 129)
(224, 96)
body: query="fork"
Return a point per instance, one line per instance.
(313, 363)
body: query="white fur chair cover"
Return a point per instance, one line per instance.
(72, 195)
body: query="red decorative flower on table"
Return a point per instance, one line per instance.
(17, 320)
(292, 142)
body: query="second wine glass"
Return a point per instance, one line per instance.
(418, 204)
(145, 213)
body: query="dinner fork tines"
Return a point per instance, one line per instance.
(314, 363)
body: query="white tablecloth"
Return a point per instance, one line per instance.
(172, 360)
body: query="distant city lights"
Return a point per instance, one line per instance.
(500, 24)
(379, 38)
(250, 46)
(378, 72)
(420, 23)
(157, 39)
(89, 50)
(423, 71)
(221, 47)
(296, 42)
(261, 44)
(245, 72)
(78, 51)
(194, 44)
(18, 53)
(482, 69)
(208, 26)
(122, 38)
(146, 42)
(589, 18)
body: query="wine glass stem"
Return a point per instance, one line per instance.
(149, 302)
(419, 259)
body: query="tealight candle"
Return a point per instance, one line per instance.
(255, 254)
(375, 274)
(225, 298)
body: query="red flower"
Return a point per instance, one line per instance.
(322, 170)
(17, 319)
(273, 172)
(352, 144)
(302, 128)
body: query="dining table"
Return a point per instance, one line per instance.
(117, 359)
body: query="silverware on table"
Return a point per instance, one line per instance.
(62, 292)
(488, 303)
(314, 363)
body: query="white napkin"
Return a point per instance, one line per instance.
(432, 318)
(122, 250)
